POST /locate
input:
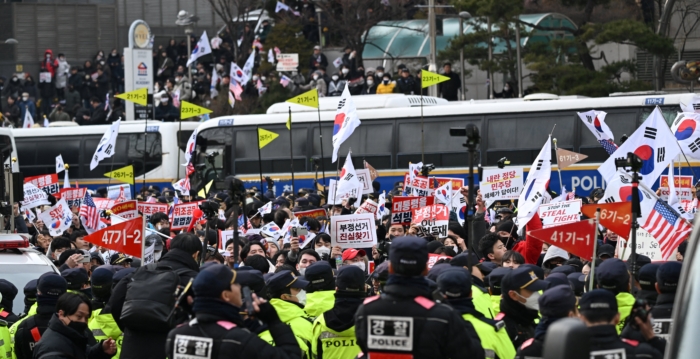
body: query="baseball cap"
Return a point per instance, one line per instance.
(352, 253)
(408, 255)
(455, 282)
(251, 278)
(522, 278)
(598, 299)
(381, 272)
(557, 279)
(606, 250)
(51, 284)
(214, 279)
(119, 259)
(647, 277)
(75, 277)
(668, 275)
(101, 276)
(564, 268)
(120, 274)
(319, 275)
(284, 279)
(612, 274)
(495, 278)
(350, 279)
(576, 283)
(557, 301)
(437, 270)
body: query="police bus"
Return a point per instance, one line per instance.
(8, 150)
(37, 149)
(390, 136)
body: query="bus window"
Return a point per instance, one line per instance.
(219, 140)
(39, 157)
(669, 112)
(183, 136)
(275, 156)
(120, 158)
(153, 148)
(372, 141)
(6, 147)
(440, 148)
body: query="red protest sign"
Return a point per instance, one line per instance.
(615, 216)
(314, 213)
(48, 183)
(577, 238)
(433, 258)
(73, 196)
(457, 183)
(182, 215)
(431, 220)
(402, 207)
(148, 209)
(126, 210)
(125, 237)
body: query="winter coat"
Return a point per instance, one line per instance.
(62, 73)
(62, 342)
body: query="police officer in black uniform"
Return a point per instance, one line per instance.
(519, 303)
(404, 320)
(556, 303)
(9, 292)
(599, 312)
(218, 330)
(647, 283)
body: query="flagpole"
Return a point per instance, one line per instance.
(561, 183)
(259, 158)
(595, 250)
(291, 149)
(422, 138)
(320, 139)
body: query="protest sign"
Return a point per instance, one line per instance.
(119, 193)
(353, 231)
(577, 238)
(555, 214)
(457, 183)
(47, 183)
(126, 210)
(149, 254)
(431, 221)
(103, 203)
(182, 215)
(646, 245)
(364, 176)
(125, 237)
(419, 186)
(34, 197)
(224, 236)
(369, 206)
(354, 193)
(57, 218)
(314, 213)
(615, 216)
(683, 185)
(501, 183)
(433, 258)
(148, 209)
(403, 207)
(73, 196)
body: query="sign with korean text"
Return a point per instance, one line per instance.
(615, 216)
(192, 347)
(103, 203)
(188, 110)
(148, 209)
(683, 184)
(353, 231)
(34, 197)
(354, 193)
(420, 186)
(555, 214)
(308, 98)
(125, 237)
(391, 334)
(403, 207)
(364, 176)
(567, 158)
(433, 258)
(368, 206)
(287, 62)
(124, 174)
(57, 218)
(457, 183)
(431, 221)
(48, 183)
(577, 238)
(126, 210)
(182, 215)
(501, 183)
(73, 196)
(314, 213)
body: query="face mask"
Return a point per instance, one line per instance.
(344, 71)
(255, 78)
(164, 102)
(386, 82)
(380, 74)
(454, 248)
(114, 53)
(301, 297)
(323, 250)
(370, 82)
(360, 265)
(531, 303)
(25, 98)
(506, 88)
(157, 255)
(79, 327)
(315, 77)
(334, 78)
(302, 271)
(264, 78)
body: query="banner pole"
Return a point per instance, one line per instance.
(556, 150)
(143, 237)
(257, 132)
(291, 150)
(422, 137)
(320, 139)
(591, 283)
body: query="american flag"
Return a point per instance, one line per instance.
(609, 146)
(285, 81)
(89, 214)
(666, 226)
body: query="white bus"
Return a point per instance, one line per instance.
(37, 149)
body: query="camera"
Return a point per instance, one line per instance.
(639, 310)
(299, 231)
(212, 155)
(383, 247)
(632, 162)
(425, 170)
(210, 208)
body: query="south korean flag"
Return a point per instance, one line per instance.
(348, 180)
(686, 129)
(653, 142)
(536, 186)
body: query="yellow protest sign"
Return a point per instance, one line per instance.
(124, 174)
(430, 78)
(139, 96)
(265, 137)
(308, 98)
(188, 110)
(204, 191)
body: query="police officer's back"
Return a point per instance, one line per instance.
(217, 330)
(404, 320)
(599, 312)
(519, 303)
(647, 283)
(667, 278)
(612, 275)
(8, 291)
(27, 333)
(556, 303)
(455, 285)
(334, 330)
(494, 281)
(321, 289)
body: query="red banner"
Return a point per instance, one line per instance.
(73, 196)
(48, 183)
(433, 258)
(577, 238)
(615, 216)
(126, 237)
(314, 213)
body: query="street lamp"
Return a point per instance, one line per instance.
(320, 27)
(463, 16)
(187, 21)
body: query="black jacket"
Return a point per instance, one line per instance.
(604, 337)
(62, 342)
(520, 321)
(233, 340)
(24, 337)
(661, 312)
(98, 116)
(449, 89)
(139, 344)
(434, 330)
(406, 85)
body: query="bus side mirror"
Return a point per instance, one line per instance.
(567, 338)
